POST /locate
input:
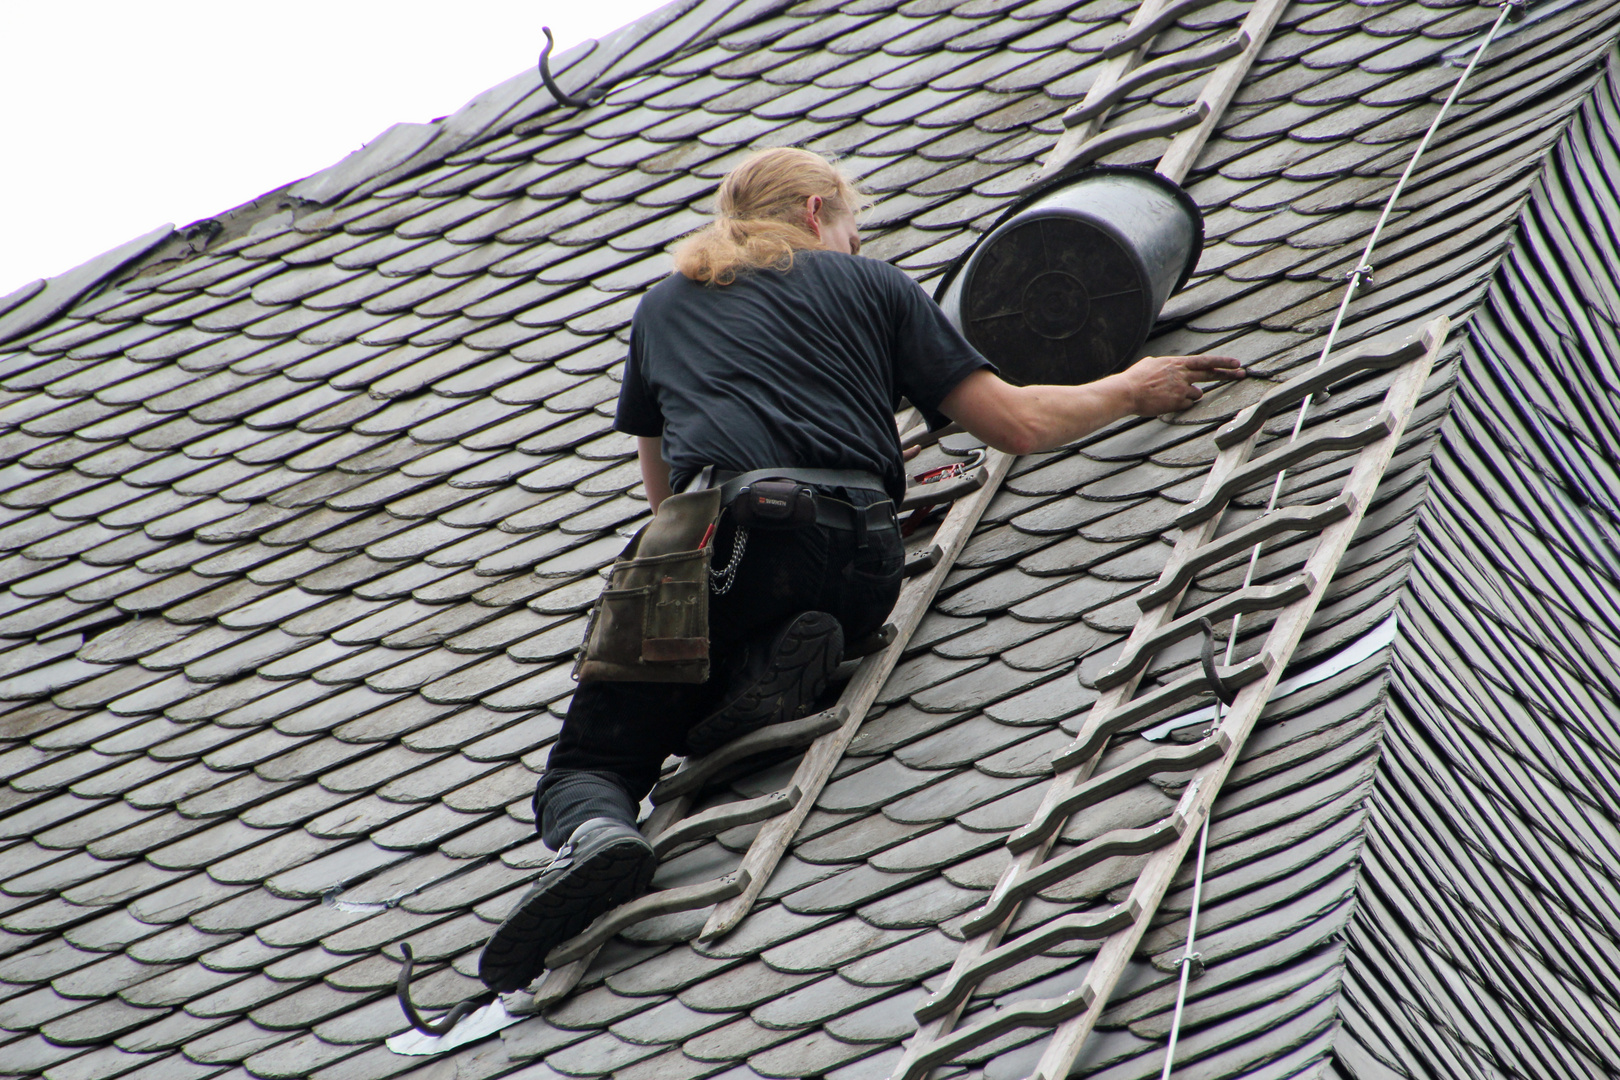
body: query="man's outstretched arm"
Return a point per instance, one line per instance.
(1029, 419)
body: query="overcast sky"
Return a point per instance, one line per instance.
(125, 114)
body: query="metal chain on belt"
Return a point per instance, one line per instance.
(720, 581)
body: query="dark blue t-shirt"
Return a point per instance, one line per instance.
(802, 368)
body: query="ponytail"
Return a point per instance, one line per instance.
(761, 223)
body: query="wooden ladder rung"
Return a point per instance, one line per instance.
(729, 816)
(1169, 758)
(1172, 64)
(876, 641)
(785, 736)
(1141, 33)
(1039, 1013)
(924, 560)
(1117, 138)
(663, 902)
(1371, 356)
(1239, 602)
(1285, 519)
(1263, 468)
(1015, 890)
(1096, 735)
(1086, 926)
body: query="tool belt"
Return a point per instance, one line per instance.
(788, 498)
(651, 623)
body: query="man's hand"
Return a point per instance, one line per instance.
(1162, 384)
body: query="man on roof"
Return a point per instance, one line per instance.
(776, 349)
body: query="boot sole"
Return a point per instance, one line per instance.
(801, 665)
(557, 910)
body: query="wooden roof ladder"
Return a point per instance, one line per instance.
(827, 735)
(1077, 786)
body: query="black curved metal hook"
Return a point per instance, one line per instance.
(1226, 694)
(584, 100)
(446, 1022)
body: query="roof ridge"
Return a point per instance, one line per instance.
(403, 148)
(523, 97)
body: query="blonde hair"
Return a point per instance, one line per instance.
(760, 222)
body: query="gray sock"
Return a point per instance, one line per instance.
(572, 797)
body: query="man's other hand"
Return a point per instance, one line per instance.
(1163, 384)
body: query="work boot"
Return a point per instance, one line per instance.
(604, 864)
(775, 682)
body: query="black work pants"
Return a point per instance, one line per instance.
(619, 733)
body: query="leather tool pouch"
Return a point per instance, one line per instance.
(775, 504)
(651, 623)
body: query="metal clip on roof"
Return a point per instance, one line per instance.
(582, 100)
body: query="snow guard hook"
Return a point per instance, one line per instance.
(584, 100)
(446, 1022)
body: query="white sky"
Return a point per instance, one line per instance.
(125, 114)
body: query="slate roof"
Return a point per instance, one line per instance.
(301, 504)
